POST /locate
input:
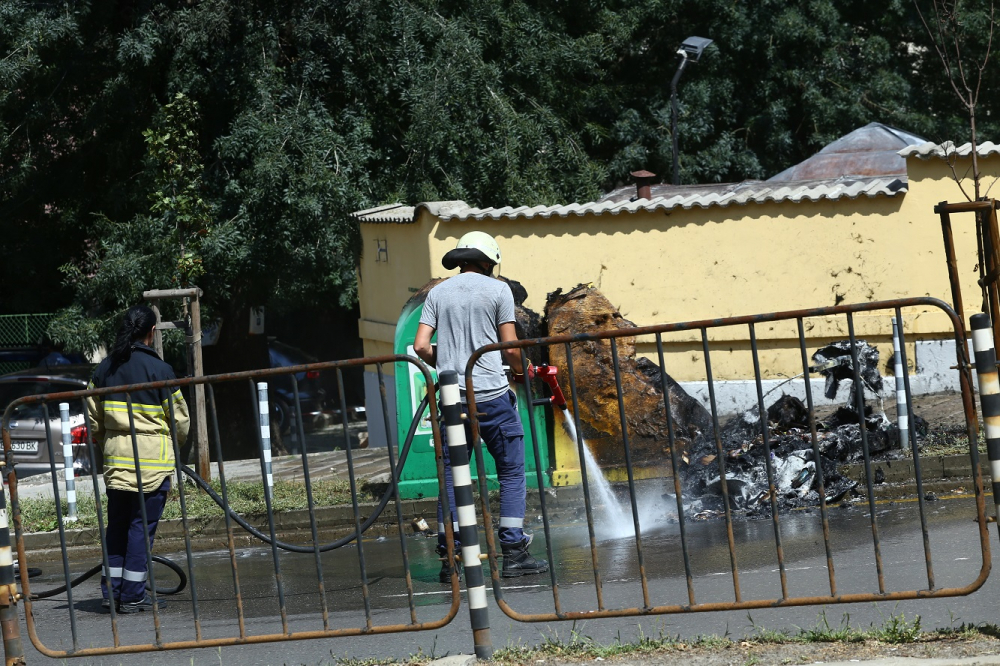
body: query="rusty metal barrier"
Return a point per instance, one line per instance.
(245, 603)
(738, 596)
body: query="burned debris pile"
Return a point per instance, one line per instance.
(585, 309)
(795, 467)
(800, 470)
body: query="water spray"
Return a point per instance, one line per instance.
(616, 523)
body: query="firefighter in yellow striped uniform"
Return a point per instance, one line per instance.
(154, 413)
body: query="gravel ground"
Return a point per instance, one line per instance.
(745, 653)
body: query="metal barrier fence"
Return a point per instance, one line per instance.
(690, 556)
(236, 594)
(239, 595)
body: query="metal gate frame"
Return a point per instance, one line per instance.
(8, 587)
(963, 365)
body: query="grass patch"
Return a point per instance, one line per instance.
(824, 632)
(582, 646)
(894, 629)
(970, 632)
(948, 441)
(245, 498)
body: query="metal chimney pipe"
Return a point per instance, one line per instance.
(643, 180)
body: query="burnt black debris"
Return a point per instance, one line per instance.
(836, 363)
(794, 465)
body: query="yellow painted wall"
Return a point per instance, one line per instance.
(387, 280)
(685, 265)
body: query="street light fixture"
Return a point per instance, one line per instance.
(689, 51)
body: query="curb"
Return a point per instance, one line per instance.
(455, 660)
(917, 661)
(931, 467)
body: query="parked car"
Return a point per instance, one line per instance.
(27, 422)
(312, 396)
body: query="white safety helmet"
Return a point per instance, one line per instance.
(473, 246)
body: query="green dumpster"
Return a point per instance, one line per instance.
(419, 476)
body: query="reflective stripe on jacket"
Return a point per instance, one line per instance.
(151, 410)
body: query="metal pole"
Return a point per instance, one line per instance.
(902, 413)
(991, 239)
(12, 648)
(465, 507)
(673, 118)
(265, 436)
(950, 259)
(944, 209)
(68, 467)
(989, 396)
(9, 625)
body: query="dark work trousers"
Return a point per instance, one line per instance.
(502, 433)
(127, 542)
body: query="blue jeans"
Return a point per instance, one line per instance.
(502, 432)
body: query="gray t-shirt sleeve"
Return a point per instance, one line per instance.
(429, 314)
(505, 306)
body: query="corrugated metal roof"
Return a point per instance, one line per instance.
(930, 149)
(702, 196)
(872, 150)
(393, 213)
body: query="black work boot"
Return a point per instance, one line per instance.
(517, 561)
(445, 574)
(140, 605)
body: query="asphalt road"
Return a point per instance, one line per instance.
(954, 545)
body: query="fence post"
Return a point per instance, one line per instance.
(989, 396)
(265, 435)
(68, 467)
(9, 624)
(465, 508)
(902, 411)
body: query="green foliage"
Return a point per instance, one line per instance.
(172, 146)
(225, 144)
(896, 629)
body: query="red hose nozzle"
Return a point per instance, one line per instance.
(547, 373)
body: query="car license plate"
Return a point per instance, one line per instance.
(24, 446)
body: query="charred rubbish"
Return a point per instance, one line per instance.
(609, 378)
(794, 464)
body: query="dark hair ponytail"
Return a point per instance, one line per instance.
(138, 321)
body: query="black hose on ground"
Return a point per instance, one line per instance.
(339, 543)
(96, 569)
(404, 449)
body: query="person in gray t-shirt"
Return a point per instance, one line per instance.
(469, 311)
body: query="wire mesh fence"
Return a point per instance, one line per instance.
(21, 339)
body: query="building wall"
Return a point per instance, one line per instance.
(685, 265)
(387, 280)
